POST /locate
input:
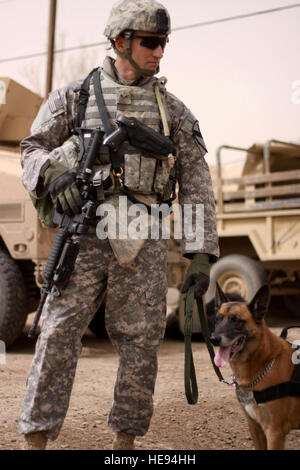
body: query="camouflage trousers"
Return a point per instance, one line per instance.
(135, 321)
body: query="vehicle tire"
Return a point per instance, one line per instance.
(13, 299)
(236, 274)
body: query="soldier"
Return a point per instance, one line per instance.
(132, 272)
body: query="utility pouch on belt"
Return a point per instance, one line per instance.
(44, 208)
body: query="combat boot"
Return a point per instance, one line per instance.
(123, 441)
(35, 441)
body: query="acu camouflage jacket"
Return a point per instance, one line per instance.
(52, 137)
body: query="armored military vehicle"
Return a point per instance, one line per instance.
(258, 221)
(258, 209)
(23, 240)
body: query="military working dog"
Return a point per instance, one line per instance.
(259, 360)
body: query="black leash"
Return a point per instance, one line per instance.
(190, 381)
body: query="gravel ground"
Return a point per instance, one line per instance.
(215, 422)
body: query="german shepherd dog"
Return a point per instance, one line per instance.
(259, 359)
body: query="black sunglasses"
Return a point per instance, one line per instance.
(152, 42)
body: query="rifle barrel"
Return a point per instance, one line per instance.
(38, 314)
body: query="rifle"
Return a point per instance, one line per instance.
(61, 261)
(64, 251)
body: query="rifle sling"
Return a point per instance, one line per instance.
(115, 158)
(84, 94)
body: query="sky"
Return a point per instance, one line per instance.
(241, 78)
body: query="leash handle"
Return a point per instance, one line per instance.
(190, 381)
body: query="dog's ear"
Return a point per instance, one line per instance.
(260, 302)
(220, 297)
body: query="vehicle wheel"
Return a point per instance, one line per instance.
(236, 274)
(13, 299)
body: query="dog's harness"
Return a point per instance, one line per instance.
(284, 389)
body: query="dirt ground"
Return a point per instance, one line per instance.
(215, 422)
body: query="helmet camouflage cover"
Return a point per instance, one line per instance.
(137, 15)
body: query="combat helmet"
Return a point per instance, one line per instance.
(128, 16)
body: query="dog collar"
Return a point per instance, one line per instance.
(257, 379)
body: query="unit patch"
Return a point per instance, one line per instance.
(198, 136)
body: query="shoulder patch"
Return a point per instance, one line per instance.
(56, 103)
(198, 136)
(191, 126)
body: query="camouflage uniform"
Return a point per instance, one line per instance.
(136, 291)
(135, 322)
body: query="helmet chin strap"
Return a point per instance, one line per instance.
(127, 55)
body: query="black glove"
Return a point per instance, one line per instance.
(60, 182)
(197, 275)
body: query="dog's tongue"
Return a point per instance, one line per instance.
(222, 356)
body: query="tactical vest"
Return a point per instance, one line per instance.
(142, 175)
